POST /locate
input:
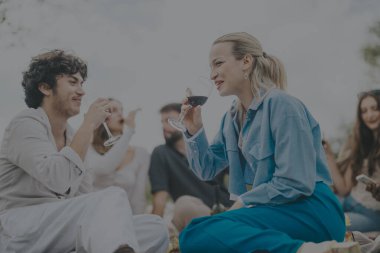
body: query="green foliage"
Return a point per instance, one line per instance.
(371, 52)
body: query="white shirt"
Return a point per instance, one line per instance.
(32, 170)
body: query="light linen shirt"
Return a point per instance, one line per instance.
(32, 170)
(282, 156)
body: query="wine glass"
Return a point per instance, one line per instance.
(111, 138)
(196, 95)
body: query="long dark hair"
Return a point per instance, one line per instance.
(363, 142)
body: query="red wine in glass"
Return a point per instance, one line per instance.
(197, 95)
(196, 100)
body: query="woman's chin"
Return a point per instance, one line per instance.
(223, 93)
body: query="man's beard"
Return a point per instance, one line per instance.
(173, 138)
(60, 107)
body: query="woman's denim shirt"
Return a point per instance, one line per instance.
(282, 156)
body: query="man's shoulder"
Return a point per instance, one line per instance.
(27, 118)
(29, 113)
(161, 149)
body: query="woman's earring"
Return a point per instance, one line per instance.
(245, 76)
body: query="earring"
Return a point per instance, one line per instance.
(245, 76)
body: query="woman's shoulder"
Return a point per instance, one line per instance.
(279, 100)
(278, 95)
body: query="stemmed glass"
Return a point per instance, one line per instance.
(196, 95)
(112, 139)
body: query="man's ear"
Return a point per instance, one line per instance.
(45, 89)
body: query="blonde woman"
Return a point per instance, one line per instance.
(278, 171)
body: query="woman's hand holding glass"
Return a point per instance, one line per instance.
(375, 190)
(192, 119)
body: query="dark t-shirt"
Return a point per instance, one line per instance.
(169, 171)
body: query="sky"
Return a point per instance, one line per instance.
(146, 52)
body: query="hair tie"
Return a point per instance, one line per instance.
(264, 55)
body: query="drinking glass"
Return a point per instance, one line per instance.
(111, 138)
(198, 94)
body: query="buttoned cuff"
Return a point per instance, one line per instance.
(76, 162)
(191, 138)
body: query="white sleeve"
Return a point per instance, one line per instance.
(107, 163)
(30, 148)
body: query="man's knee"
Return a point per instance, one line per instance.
(190, 205)
(154, 221)
(187, 200)
(187, 208)
(154, 227)
(107, 198)
(112, 193)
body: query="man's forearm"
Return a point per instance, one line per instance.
(82, 139)
(159, 202)
(158, 210)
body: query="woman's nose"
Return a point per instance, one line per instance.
(213, 74)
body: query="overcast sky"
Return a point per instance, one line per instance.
(146, 52)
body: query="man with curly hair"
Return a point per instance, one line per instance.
(46, 204)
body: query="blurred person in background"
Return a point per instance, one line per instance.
(120, 164)
(360, 155)
(171, 177)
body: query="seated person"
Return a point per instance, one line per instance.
(170, 175)
(360, 155)
(120, 164)
(279, 177)
(46, 203)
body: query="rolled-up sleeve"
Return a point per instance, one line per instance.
(30, 148)
(108, 163)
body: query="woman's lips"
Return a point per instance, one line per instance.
(219, 84)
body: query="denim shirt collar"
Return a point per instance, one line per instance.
(256, 102)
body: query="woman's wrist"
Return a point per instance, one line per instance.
(193, 130)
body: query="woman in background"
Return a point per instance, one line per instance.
(121, 164)
(360, 155)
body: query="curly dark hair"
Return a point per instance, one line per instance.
(45, 68)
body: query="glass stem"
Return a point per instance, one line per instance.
(107, 130)
(182, 115)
